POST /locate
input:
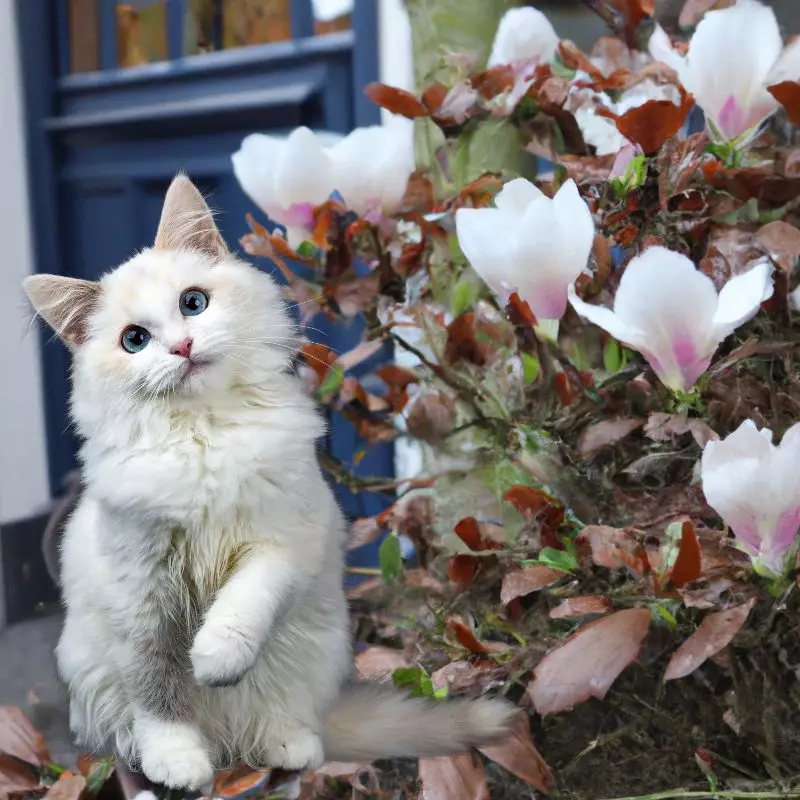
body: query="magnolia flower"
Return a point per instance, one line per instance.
(755, 487)
(288, 176)
(529, 244)
(734, 55)
(523, 34)
(671, 313)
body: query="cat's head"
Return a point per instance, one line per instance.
(178, 321)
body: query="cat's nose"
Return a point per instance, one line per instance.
(183, 348)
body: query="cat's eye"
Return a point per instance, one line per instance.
(134, 338)
(193, 302)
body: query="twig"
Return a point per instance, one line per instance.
(371, 571)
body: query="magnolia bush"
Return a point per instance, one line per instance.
(602, 355)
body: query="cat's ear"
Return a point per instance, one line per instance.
(64, 303)
(187, 222)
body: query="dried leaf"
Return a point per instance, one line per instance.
(378, 663)
(787, 94)
(461, 569)
(522, 582)
(475, 339)
(533, 503)
(688, 564)
(350, 297)
(662, 427)
(782, 241)
(605, 433)
(431, 417)
(716, 632)
(239, 780)
(453, 778)
(579, 606)
(398, 101)
(470, 531)
(518, 755)
(519, 312)
(319, 357)
(462, 633)
(67, 787)
(589, 662)
(20, 746)
(422, 580)
(363, 531)
(457, 676)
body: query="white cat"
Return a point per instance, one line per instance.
(202, 569)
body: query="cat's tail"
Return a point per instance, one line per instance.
(372, 721)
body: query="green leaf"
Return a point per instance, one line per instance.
(332, 383)
(664, 613)
(530, 368)
(414, 680)
(612, 356)
(99, 773)
(465, 293)
(557, 559)
(390, 557)
(307, 250)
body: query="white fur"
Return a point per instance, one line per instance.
(205, 512)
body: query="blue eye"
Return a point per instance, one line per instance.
(135, 338)
(193, 302)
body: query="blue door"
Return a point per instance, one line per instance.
(122, 95)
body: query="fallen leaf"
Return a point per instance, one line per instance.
(716, 632)
(522, 582)
(470, 531)
(616, 548)
(533, 503)
(453, 778)
(17, 776)
(687, 566)
(787, 93)
(67, 787)
(431, 416)
(588, 662)
(605, 434)
(462, 633)
(422, 580)
(475, 339)
(578, 606)
(782, 241)
(319, 357)
(363, 531)
(461, 569)
(458, 676)
(662, 427)
(238, 781)
(378, 662)
(398, 101)
(518, 755)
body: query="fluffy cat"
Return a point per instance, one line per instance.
(202, 568)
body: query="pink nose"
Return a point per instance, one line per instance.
(183, 348)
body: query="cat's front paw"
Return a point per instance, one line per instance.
(174, 755)
(221, 655)
(297, 750)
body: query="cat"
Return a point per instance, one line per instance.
(202, 569)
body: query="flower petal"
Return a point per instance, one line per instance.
(515, 196)
(663, 295)
(599, 132)
(661, 49)
(787, 67)
(486, 236)
(606, 319)
(304, 173)
(254, 168)
(741, 298)
(523, 33)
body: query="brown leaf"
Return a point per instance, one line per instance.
(19, 739)
(518, 755)
(578, 606)
(616, 548)
(589, 662)
(431, 416)
(470, 531)
(457, 676)
(652, 123)
(522, 582)
(461, 569)
(782, 241)
(606, 433)
(716, 632)
(453, 778)
(16, 776)
(787, 94)
(462, 633)
(695, 10)
(238, 780)
(533, 503)
(422, 580)
(678, 163)
(351, 297)
(319, 357)
(687, 566)
(378, 663)
(662, 427)
(563, 389)
(519, 312)
(474, 339)
(398, 101)
(67, 787)
(363, 531)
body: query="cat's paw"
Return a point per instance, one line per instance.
(174, 755)
(221, 656)
(297, 749)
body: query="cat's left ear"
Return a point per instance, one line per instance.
(187, 222)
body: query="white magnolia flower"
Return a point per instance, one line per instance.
(734, 55)
(755, 487)
(671, 313)
(288, 176)
(523, 34)
(529, 244)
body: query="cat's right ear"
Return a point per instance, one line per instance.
(64, 303)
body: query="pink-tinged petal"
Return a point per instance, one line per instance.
(609, 321)
(775, 549)
(304, 173)
(576, 225)
(732, 120)
(741, 298)
(624, 157)
(516, 196)
(731, 52)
